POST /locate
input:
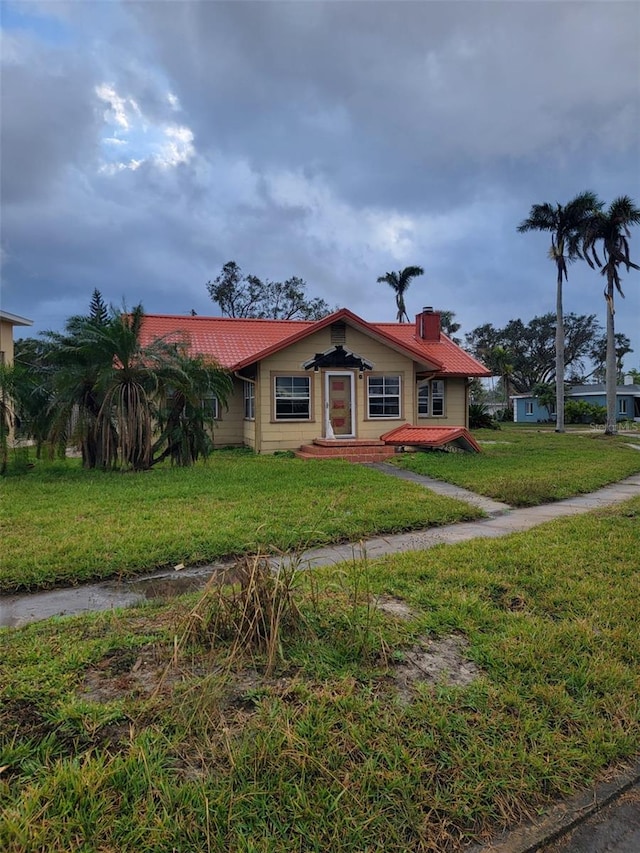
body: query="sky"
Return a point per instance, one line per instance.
(145, 144)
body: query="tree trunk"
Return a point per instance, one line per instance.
(611, 373)
(559, 356)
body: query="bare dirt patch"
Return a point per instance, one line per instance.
(441, 661)
(394, 607)
(138, 674)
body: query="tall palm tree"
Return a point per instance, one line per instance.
(566, 224)
(610, 229)
(399, 283)
(502, 362)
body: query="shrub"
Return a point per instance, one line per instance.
(581, 412)
(479, 417)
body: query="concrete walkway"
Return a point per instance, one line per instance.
(502, 520)
(16, 610)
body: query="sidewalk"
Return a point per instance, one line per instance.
(502, 519)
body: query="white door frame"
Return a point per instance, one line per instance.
(327, 423)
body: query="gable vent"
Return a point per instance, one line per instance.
(338, 333)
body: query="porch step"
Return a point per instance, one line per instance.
(350, 450)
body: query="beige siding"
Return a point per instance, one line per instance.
(230, 425)
(266, 435)
(6, 341)
(282, 435)
(456, 409)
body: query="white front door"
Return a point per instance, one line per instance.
(339, 404)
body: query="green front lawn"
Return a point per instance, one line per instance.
(526, 467)
(64, 525)
(119, 734)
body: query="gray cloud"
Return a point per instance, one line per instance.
(330, 140)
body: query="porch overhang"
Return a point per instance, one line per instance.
(432, 437)
(338, 357)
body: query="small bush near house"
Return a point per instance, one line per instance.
(479, 417)
(581, 412)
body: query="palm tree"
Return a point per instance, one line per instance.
(186, 416)
(7, 413)
(113, 390)
(611, 229)
(566, 225)
(501, 360)
(399, 282)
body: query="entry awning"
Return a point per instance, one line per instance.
(423, 436)
(338, 357)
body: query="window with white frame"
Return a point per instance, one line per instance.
(383, 396)
(249, 401)
(211, 408)
(437, 397)
(431, 398)
(528, 407)
(292, 398)
(622, 406)
(423, 399)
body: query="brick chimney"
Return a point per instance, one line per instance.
(428, 325)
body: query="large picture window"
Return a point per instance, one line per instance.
(431, 398)
(292, 398)
(249, 401)
(384, 396)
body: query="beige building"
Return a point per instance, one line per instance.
(7, 322)
(332, 384)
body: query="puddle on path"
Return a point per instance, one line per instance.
(17, 610)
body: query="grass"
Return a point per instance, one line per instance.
(530, 467)
(117, 734)
(62, 525)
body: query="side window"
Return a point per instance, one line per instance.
(437, 397)
(211, 408)
(528, 407)
(249, 401)
(423, 399)
(431, 398)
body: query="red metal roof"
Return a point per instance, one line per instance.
(454, 359)
(229, 340)
(424, 436)
(235, 343)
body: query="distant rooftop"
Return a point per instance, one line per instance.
(15, 319)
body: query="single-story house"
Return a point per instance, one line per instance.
(7, 322)
(527, 409)
(333, 382)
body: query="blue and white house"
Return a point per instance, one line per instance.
(527, 409)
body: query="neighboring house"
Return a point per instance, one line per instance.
(7, 322)
(526, 409)
(338, 379)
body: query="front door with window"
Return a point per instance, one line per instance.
(339, 404)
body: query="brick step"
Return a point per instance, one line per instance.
(363, 451)
(314, 450)
(348, 442)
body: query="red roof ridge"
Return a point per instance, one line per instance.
(210, 317)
